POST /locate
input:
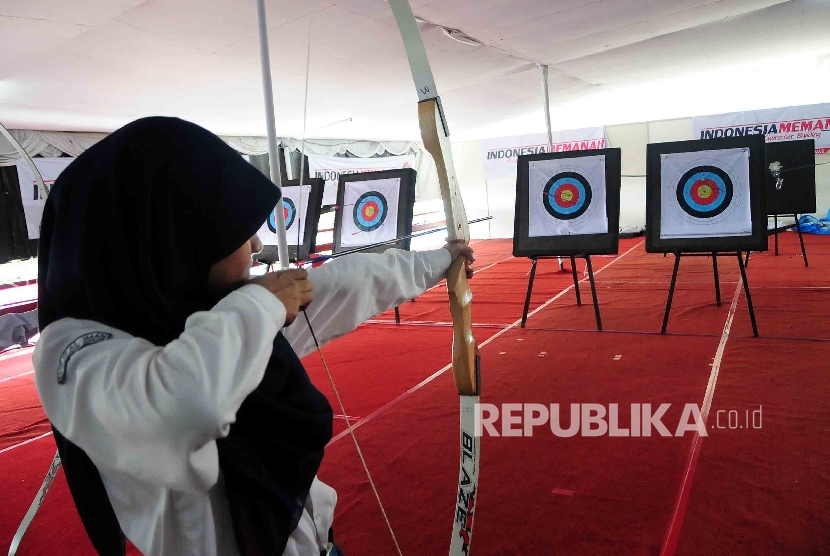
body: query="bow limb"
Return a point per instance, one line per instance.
(56, 461)
(465, 357)
(25, 156)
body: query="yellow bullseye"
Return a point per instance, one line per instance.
(704, 191)
(567, 195)
(370, 211)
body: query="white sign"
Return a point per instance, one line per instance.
(330, 167)
(567, 197)
(33, 199)
(777, 124)
(705, 194)
(500, 155)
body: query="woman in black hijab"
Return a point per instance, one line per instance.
(128, 237)
(183, 417)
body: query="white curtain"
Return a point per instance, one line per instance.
(55, 143)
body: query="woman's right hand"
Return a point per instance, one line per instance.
(291, 286)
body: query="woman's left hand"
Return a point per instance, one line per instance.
(458, 249)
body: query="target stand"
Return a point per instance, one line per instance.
(706, 198)
(776, 230)
(567, 206)
(375, 207)
(791, 185)
(590, 269)
(714, 255)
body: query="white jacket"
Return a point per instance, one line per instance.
(148, 416)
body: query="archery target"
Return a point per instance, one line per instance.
(295, 206)
(704, 191)
(289, 212)
(705, 194)
(566, 196)
(370, 211)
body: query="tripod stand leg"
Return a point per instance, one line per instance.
(801, 239)
(717, 278)
(748, 297)
(671, 292)
(529, 290)
(593, 290)
(775, 225)
(576, 282)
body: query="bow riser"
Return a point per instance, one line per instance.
(464, 349)
(436, 142)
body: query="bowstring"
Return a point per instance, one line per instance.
(308, 321)
(352, 434)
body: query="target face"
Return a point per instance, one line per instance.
(289, 212)
(705, 191)
(370, 211)
(567, 195)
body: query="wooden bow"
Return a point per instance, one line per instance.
(465, 355)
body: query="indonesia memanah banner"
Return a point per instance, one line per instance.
(500, 155)
(776, 124)
(330, 167)
(33, 198)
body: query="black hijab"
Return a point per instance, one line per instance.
(129, 233)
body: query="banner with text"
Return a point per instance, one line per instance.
(500, 155)
(776, 124)
(330, 167)
(33, 199)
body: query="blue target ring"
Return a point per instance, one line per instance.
(567, 195)
(289, 211)
(705, 191)
(370, 211)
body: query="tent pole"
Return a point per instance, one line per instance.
(546, 96)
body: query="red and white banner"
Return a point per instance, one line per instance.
(500, 155)
(776, 124)
(330, 167)
(33, 199)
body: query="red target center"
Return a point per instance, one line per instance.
(285, 213)
(704, 191)
(370, 210)
(566, 195)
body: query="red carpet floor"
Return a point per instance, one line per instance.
(742, 490)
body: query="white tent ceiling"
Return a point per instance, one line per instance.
(93, 65)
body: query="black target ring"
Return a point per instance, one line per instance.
(289, 212)
(370, 211)
(567, 195)
(705, 191)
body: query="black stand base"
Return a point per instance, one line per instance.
(714, 256)
(576, 286)
(775, 233)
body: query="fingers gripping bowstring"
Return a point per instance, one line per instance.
(354, 438)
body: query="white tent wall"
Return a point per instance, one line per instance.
(500, 194)
(494, 197)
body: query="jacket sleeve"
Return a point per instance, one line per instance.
(154, 412)
(357, 287)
